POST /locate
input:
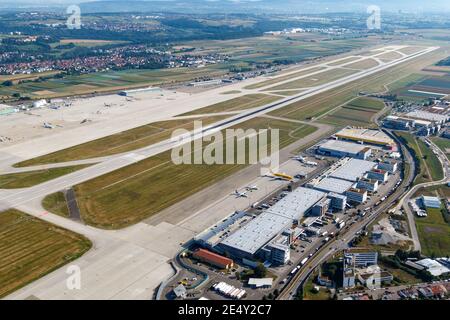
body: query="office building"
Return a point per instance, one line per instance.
(378, 174)
(368, 184)
(388, 165)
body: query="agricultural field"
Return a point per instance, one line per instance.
(283, 78)
(314, 80)
(136, 192)
(31, 248)
(121, 142)
(237, 104)
(434, 233)
(430, 168)
(32, 178)
(425, 87)
(358, 112)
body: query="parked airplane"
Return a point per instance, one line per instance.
(311, 163)
(240, 194)
(251, 188)
(299, 158)
(48, 125)
(281, 176)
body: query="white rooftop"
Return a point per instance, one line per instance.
(427, 116)
(296, 203)
(260, 282)
(343, 146)
(259, 231)
(353, 169)
(334, 185)
(434, 267)
(255, 234)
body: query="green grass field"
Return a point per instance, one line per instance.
(358, 112)
(32, 178)
(320, 104)
(434, 233)
(133, 193)
(121, 142)
(237, 104)
(283, 78)
(430, 168)
(314, 80)
(443, 144)
(31, 248)
(56, 203)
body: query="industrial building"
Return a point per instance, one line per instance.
(356, 195)
(338, 201)
(388, 165)
(127, 93)
(337, 148)
(378, 174)
(368, 184)
(353, 169)
(333, 185)
(398, 123)
(213, 259)
(321, 207)
(370, 136)
(428, 116)
(431, 202)
(259, 236)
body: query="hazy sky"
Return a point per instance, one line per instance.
(322, 5)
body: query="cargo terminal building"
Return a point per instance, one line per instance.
(268, 236)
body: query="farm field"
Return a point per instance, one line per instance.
(130, 194)
(121, 142)
(31, 248)
(314, 80)
(358, 112)
(434, 233)
(237, 104)
(32, 178)
(318, 105)
(283, 78)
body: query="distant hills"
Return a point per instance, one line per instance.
(233, 6)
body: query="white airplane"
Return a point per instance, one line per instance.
(311, 163)
(48, 125)
(240, 194)
(299, 158)
(251, 188)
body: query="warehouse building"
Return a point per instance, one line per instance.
(353, 169)
(321, 207)
(368, 184)
(333, 185)
(260, 232)
(428, 116)
(371, 136)
(213, 259)
(356, 195)
(337, 148)
(338, 201)
(378, 174)
(388, 165)
(431, 202)
(398, 123)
